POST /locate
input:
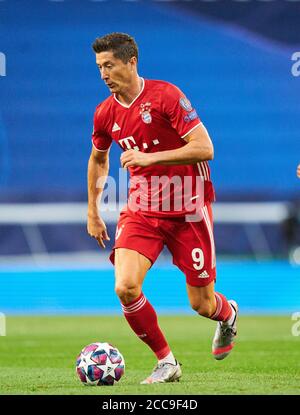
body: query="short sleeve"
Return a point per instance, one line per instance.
(179, 110)
(100, 138)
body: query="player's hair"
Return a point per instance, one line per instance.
(122, 45)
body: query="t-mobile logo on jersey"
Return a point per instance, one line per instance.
(128, 143)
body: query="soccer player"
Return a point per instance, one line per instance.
(162, 137)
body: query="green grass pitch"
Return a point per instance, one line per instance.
(38, 354)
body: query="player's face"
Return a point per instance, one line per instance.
(116, 74)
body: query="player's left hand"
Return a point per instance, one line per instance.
(136, 158)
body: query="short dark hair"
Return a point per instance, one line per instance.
(122, 45)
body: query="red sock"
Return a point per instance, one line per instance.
(223, 311)
(142, 318)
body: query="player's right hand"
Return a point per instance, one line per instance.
(96, 229)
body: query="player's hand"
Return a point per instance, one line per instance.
(298, 171)
(96, 229)
(136, 158)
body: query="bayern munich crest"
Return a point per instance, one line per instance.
(145, 111)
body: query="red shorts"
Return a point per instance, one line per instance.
(190, 243)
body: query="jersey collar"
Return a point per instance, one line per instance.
(132, 102)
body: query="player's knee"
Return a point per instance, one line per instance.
(205, 308)
(127, 292)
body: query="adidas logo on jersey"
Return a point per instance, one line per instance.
(115, 127)
(203, 274)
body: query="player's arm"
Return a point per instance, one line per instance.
(98, 167)
(199, 147)
(298, 171)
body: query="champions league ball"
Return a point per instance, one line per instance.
(100, 364)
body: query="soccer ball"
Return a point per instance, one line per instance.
(100, 364)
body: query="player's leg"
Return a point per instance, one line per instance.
(130, 271)
(137, 246)
(208, 303)
(225, 311)
(193, 249)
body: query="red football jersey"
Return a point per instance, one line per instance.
(158, 119)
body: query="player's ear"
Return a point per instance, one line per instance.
(133, 62)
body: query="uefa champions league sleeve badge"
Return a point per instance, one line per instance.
(185, 104)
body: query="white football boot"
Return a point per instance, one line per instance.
(224, 335)
(164, 372)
